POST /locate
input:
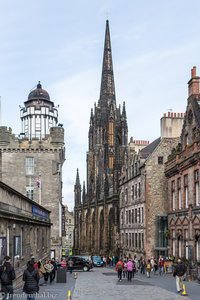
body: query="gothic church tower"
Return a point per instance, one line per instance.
(97, 216)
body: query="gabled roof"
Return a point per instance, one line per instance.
(145, 152)
(196, 109)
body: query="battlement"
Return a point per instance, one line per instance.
(174, 115)
(139, 142)
(171, 125)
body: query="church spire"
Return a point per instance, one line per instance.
(77, 178)
(107, 92)
(77, 190)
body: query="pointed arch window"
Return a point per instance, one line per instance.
(196, 187)
(186, 190)
(179, 193)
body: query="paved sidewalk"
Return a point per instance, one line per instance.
(103, 284)
(57, 291)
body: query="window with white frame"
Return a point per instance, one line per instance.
(180, 248)
(196, 187)
(17, 246)
(174, 247)
(173, 195)
(29, 165)
(179, 193)
(30, 192)
(3, 248)
(122, 218)
(186, 190)
(133, 240)
(198, 250)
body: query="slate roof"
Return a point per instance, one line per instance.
(145, 152)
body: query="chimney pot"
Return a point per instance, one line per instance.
(193, 72)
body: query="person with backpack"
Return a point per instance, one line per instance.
(31, 281)
(130, 269)
(119, 269)
(7, 275)
(178, 272)
(148, 268)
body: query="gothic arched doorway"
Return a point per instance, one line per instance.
(110, 229)
(101, 234)
(93, 231)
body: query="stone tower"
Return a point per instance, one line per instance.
(96, 217)
(32, 162)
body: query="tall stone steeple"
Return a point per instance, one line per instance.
(77, 190)
(107, 91)
(97, 219)
(107, 133)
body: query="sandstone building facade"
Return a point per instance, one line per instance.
(97, 205)
(182, 171)
(31, 163)
(68, 239)
(143, 193)
(24, 229)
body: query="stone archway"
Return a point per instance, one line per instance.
(101, 233)
(93, 231)
(80, 232)
(110, 229)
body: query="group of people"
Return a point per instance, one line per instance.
(127, 268)
(152, 265)
(34, 271)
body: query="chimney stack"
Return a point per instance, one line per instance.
(193, 84)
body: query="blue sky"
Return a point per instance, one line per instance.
(154, 45)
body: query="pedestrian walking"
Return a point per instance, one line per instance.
(130, 266)
(178, 272)
(125, 269)
(41, 270)
(136, 263)
(119, 269)
(142, 266)
(148, 268)
(54, 268)
(49, 268)
(70, 265)
(161, 263)
(31, 281)
(7, 275)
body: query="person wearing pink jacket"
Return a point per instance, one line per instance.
(130, 269)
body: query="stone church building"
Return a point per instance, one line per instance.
(31, 163)
(97, 205)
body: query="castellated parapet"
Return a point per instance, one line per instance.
(10, 141)
(171, 124)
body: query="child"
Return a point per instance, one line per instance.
(148, 268)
